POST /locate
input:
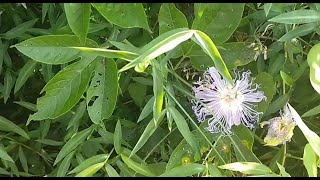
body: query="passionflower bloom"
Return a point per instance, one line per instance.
(225, 104)
(280, 129)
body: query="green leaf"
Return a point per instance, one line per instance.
(184, 130)
(117, 137)
(111, 171)
(209, 47)
(297, 17)
(25, 72)
(91, 170)
(65, 164)
(237, 54)
(27, 105)
(283, 172)
(137, 92)
(286, 78)
(72, 144)
(158, 91)
(247, 168)
(8, 126)
(23, 159)
(89, 162)
(8, 85)
(267, 8)
(54, 49)
(310, 160)
(277, 104)
(314, 63)
(64, 90)
(147, 109)
(139, 168)
(126, 15)
(104, 89)
(226, 15)
(50, 142)
(124, 169)
(299, 31)
(20, 29)
(45, 8)
(312, 137)
(214, 171)
(268, 86)
(245, 136)
(148, 131)
(75, 120)
(311, 112)
(4, 172)
(185, 170)
(162, 44)
(78, 16)
(171, 18)
(4, 155)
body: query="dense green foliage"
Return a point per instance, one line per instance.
(104, 89)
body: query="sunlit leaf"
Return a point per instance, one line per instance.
(310, 160)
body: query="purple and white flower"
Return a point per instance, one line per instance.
(225, 104)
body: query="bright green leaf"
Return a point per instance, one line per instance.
(312, 137)
(91, 170)
(310, 160)
(314, 63)
(89, 162)
(247, 168)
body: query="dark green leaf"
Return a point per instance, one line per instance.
(72, 144)
(24, 74)
(218, 20)
(185, 170)
(78, 16)
(297, 17)
(8, 126)
(126, 15)
(117, 138)
(104, 89)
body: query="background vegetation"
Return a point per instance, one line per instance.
(104, 89)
